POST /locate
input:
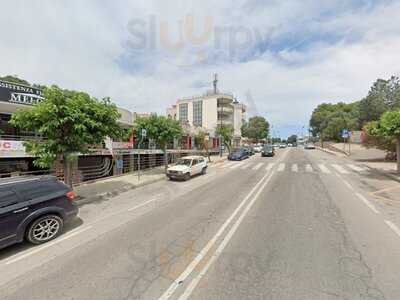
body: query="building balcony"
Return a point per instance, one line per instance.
(225, 109)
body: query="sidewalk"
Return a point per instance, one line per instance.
(110, 187)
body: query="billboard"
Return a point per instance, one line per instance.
(20, 94)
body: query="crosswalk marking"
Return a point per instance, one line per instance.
(269, 166)
(309, 168)
(355, 168)
(295, 168)
(324, 169)
(340, 169)
(281, 167)
(237, 165)
(257, 166)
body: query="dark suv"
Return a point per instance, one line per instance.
(34, 208)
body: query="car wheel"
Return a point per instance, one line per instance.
(187, 176)
(203, 171)
(44, 229)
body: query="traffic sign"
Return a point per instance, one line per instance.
(144, 132)
(345, 133)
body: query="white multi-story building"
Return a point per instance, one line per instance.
(209, 111)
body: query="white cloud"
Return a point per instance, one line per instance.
(310, 52)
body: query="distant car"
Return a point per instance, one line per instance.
(249, 150)
(186, 167)
(309, 146)
(268, 150)
(282, 146)
(239, 154)
(34, 209)
(290, 145)
(257, 149)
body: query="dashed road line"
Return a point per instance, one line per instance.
(367, 203)
(393, 227)
(295, 168)
(281, 167)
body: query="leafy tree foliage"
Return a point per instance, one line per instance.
(292, 139)
(226, 132)
(388, 127)
(160, 129)
(257, 128)
(71, 122)
(15, 79)
(328, 120)
(202, 140)
(384, 95)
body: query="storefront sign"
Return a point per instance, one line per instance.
(21, 94)
(6, 145)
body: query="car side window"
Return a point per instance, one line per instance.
(194, 162)
(8, 197)
(36, 189)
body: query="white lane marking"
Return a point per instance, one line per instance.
(189, 269)
(367, 203)
(295, 168)
(281, 167)
(257, 166)
(355, 168)
(141, 205)
(393, 227)
(269, 166)
(340, 169)
(324, 169)
(309, 168)
(47, 245)
(226, 164)
(237, 165)
(193, 284)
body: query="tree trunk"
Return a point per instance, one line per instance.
(67, 171)
(398, 153)
(165, 160)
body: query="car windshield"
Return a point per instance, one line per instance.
(184, 162)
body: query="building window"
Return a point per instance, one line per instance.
(198, 113)
(183, 112)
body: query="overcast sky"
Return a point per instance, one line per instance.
(279, 57)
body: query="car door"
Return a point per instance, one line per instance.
(195, 167)
(13, 210)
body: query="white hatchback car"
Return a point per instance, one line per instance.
(186, 167)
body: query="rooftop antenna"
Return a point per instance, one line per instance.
(215, 82)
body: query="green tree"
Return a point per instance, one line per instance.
(202, 140)
(373, 139)
(15, 79)
(384, 95)
(328, 120)
(70, 122)
(276, 140)
(292, 139)
(389, 126)
(257, 128)
(226, 133)
(160, 129)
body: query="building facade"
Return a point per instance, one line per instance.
(208, 112)
(13, 156)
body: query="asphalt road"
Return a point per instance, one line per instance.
(296, 226)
